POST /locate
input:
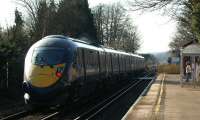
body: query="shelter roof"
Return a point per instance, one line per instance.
(193, 49)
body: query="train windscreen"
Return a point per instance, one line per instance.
(47, 56)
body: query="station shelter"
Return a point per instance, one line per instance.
(190, 55)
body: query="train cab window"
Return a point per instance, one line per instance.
(47, 56)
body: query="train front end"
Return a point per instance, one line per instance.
(47, 71)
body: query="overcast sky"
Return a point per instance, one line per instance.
(156, 31)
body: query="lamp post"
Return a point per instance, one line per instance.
(181, 66)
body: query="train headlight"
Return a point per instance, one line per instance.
(26, 96)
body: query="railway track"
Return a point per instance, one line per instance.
(95, 111)
(30, 115)
(102, 106)
(16, 115)
(50, 116)
(92, 112)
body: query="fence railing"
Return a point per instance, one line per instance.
(11, 75)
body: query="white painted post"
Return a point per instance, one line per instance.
(7, 73)
(181, 67)
(193, 70)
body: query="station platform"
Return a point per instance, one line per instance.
(167, 100)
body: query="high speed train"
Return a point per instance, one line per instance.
(59, 69)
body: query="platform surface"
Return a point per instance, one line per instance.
(181, 103)
(173, 103)
(144, 108)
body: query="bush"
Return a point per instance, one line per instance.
(169, 68)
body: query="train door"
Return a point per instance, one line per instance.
(102, 65)
(129, 64)
(115, 64)
(111, 66)
(119, 63)
(124, 63)
(79, 71)
(133, 64)
(92, 70)
(78, 66)
(126, 59)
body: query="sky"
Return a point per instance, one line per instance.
(156, 31)
(7, 8)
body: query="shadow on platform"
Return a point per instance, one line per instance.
(172, 82)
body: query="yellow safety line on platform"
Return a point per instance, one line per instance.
(157, 108)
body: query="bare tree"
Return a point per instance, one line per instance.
(31, 6)
(185, 34)
(186, 12)
(173, 8)
(115, 28)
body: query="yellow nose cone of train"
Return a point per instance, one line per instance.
(43, 76)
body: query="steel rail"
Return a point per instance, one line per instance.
(15, 115)
(141, 96)
(50, 116)
(93, 111)
(107, 102)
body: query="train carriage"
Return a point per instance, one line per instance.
(60, 69)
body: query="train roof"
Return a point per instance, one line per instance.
(136, 55)
(111, 50)
(54, 41)
(87, 46)
(60, 40)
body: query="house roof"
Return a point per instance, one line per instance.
(186, 43)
